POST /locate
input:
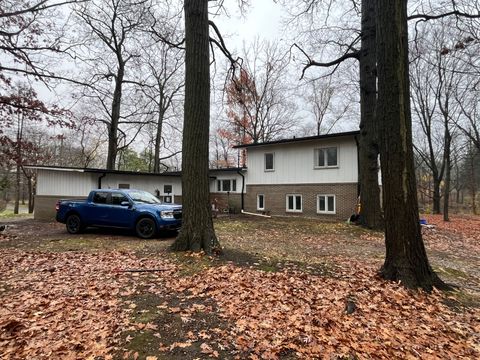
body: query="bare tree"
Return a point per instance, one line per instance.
(258, 104)
(31, 32)
(163, 88)
(108, 47)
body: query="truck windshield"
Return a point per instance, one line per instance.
(143, 197)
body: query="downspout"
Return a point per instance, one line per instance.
(100, 180)
(243, 187)
(358, 165)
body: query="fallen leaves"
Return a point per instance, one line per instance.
(62, 305)
(76, 304)
(274, 313)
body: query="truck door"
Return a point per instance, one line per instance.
(97, 212)
(120, 215)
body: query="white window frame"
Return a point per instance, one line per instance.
(294, 203)
(232, 181)
(315, 157)
(265, 161)
(258, 202)
(326, 211)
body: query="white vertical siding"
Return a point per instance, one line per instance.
(148, 183)
(294, 163)
(65, 183)
(225, 175)
(73, 183)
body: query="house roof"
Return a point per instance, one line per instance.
(300, 139)
(121, 172)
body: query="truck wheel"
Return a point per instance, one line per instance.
(74, 224)
(146, 228)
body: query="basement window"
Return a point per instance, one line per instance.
(294, 203)
(260, 202)
(326, 204)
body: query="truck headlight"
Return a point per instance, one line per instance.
(166, 214)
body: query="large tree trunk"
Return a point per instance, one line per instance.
(17, 189)
(436, 194)
(158, 140)
(406, 259)
(30, 195)
(371, 213)
(447, 161)
(197, 231)
(115, 118)
(473, 188)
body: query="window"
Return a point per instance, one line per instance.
(294, 203)
(124, 186)
(269, 162)
(326, 204)
(167, 189)
(118, 198)
(100, 198)
(260, 202)
(227, 185)
(326, 157)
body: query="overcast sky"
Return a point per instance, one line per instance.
(262, 19)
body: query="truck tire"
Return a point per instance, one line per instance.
(146, 228)
(74, 224)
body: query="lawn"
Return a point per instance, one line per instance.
(283, 289)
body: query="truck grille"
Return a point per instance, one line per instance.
(177, 214)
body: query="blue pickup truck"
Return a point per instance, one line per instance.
(130, 209)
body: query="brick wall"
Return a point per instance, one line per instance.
(45, 206)
(224, 201)
(275, 199)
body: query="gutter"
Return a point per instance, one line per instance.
(100, 180)
(243, 187)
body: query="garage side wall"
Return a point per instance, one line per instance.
(275, 199)
(45, 206)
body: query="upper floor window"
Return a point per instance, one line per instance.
(326, 157)
(269, 161)
(227, 185)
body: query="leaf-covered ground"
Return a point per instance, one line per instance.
(284, 289)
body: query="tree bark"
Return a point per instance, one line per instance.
(158, 140)
(473, 189)
(406, 259)
(197, 231)
(115, 118)
(17, 188)
(371, 212)
(447, 153)
(436, 194)
(30, 195)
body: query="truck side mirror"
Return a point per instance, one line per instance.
(125, 203)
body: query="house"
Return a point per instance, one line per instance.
(56, 182)
(314, 176)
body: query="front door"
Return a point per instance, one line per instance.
(120, 215)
